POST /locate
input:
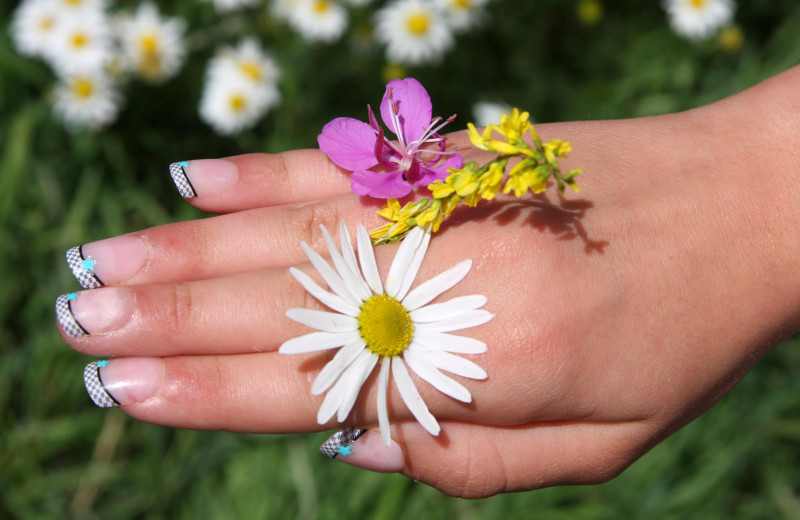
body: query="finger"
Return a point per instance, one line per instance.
(257, 180)
(217, 246)
(475, 461)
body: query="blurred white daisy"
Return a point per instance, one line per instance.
(86, 100)
(80, 7)
(390, 323)
(697, 19)
(32, 27)
(318, 20)
(282, 9)
(232, 5)
(152, 46)
(488, 112)
(358, 3)
(81, 44)
(247, 62)
(414, 31)
(462, 14)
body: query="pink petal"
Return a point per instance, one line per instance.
(429, 174)
(349, 143)
(379, 185)
(414, 108)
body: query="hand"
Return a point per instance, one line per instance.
(620, 314)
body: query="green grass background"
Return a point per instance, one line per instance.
(60, 457)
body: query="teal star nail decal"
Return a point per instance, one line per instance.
(72, 296)
(102, 363)
(88, 264)
(344, 451)
(183, 164)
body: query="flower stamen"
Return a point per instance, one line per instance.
(385, 325)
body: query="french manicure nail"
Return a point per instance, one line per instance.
(203, 176)
(364, 449)
(94, 312)
(122, 381)
(109, 261)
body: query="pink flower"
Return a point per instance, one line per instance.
(384, 169)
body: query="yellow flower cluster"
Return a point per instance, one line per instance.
(471, 183)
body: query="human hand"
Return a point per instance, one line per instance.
(620, 314)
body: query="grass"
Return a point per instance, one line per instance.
(60, 457)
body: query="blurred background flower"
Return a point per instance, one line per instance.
(89, 125)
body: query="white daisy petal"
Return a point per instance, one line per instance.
(350, 260)
(412, 398)
(402, 260)
(462, 321)
(316, 341)
(324, 321)
(413, 268)
(361, 367)
(424, 369)
(333, 399)
(448, 309)
(330, 276)
(449, 343)
(383, 412)
(352, 280)
(366, 257)
(335, 367)
(456, 365)
(429, 290)
(331, 300)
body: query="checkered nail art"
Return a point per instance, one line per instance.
(94, 385)
(339, 443)
(83, 268)
(182, 182)
(67, 318)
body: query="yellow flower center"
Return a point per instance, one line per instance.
(320, 6)
(462, 4)
(81, 87)
(79, 40)
(237, 102)
(385, 325)
(46, 23)
(251, 70)
(148, 43)
(418, 23)
(150, 62)
(698, 3)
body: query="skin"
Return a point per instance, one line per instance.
(622, 312)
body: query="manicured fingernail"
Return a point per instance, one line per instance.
(123, 381)
(108, 261)
(94, 312)
(364, 449)
(203, 176)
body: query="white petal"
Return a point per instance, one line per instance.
(402, 259)
(333, 399)
(383, 412)
(462, 321)
(448, 342)
(350, 260)
(448, 309)
(321, 320)
(316, 341)
(362, 368)
(352, 280)
(413, 267)
(330, 276)
(412, 398)
(424, 369)
(336, 366)
(331, 300)
(456, 365)
(366, 256)
(429, 290)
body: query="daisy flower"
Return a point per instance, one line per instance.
(462, 14)
(246, 62)
(697, 19)
(388, 323)
(318, 20)
(414, 31)
(33, 26)
(86, 100)
(151, 45)
(224, 6)
(487, 113)
(81, 43)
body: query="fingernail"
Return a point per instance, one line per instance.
(95, 312)
(203, 176)
(123, 381)
(108, 261)
(364, 449)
